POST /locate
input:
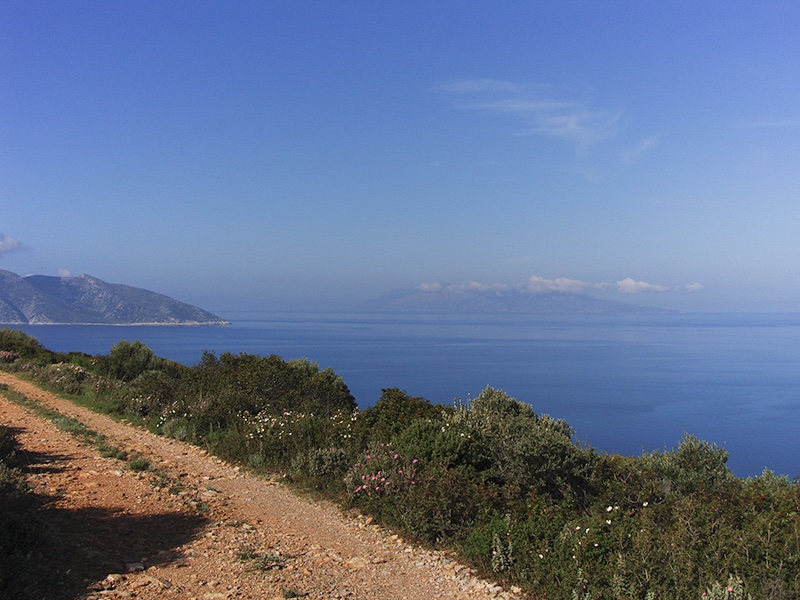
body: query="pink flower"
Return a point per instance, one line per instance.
(415, 461)
(730, 589)
(396, 456)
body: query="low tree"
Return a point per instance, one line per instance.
(127, 360)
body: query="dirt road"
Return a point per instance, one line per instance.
(203, 529)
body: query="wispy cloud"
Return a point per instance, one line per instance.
(640, 149)
(540, 285)
(8, 244)
(631, 286)
(468, 86)
(470, 286)
(540, 109)
(774, 123)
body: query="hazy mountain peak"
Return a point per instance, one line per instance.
(45, 299)
(453, 299)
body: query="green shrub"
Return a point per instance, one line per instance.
(733, 590)
(139, 463)
(429, 501)
(127, 360)
(394, 411)
(19, 342)
(526, 451)
(696, 465)
(506, 487)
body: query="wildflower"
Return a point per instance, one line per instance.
(396, 456)
(645, 503)
(608, 521)
(415, 461)
(609, 509)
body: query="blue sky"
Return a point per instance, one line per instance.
(277, 155)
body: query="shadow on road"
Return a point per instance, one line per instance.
(50, 552)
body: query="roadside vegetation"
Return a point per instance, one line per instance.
(505, 487)
(20, 526)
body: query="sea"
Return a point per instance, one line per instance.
(625, 384)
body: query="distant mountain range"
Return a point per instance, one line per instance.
(45, 300)
(465, 300)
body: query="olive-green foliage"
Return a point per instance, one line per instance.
(422, 498)
(506, 487)
(245, 406)
(394, 411)
(234, 383)
(437, 442)
(27, 346)
(695, 465)
(127, 360)
(63, 377)
(527, 451)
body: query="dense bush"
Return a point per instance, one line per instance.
(504, 486)
(529, 452)
(127, 360)
(22, 344)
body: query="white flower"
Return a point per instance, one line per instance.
(609, 509)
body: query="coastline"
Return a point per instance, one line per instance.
(136, 324)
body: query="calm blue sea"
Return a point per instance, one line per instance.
(624, 383)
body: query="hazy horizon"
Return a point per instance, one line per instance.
(310, 156)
